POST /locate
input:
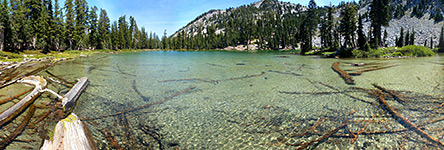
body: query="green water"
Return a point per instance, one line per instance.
(239, 99)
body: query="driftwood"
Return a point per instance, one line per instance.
(19, 129)
(18, 108)
(389, 92)
(70, 98)
(406, 123)
(16, 96)
(141, 107)
(69, 133)
(370, 69)
(347, 78)
(58, 77)
(286, 73)
(112, 141)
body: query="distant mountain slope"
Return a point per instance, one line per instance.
(271, 24)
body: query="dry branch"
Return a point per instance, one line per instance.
(19, 129)
(347, 78)
(141, 107)
(66, 81)
(389, 92)
(370, 69)
(16, 96)
(112, 141)
(18, 108)
(406, 123)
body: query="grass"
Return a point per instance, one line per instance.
(16, 57)
(406, 51)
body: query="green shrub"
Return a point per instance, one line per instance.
(359, 53)
(413, 50)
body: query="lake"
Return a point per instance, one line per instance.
(263, 100)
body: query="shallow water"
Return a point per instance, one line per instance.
(252, 100)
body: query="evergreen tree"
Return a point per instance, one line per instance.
(123, 30)
(400, 41)
(21, 28)
(441, 41)
(361, 36)
(93, 28)
(385, 38)
(412, 38)
(104, 27)
(35, 6)
(6, 28)
(312, 23)
(431, 42)
(347, 25)
(380, 16)
(43, 29)
(81, 14)
(58, 26)
(164, 40)
(407, 38)
(70, 24)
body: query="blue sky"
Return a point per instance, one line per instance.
(158, 15)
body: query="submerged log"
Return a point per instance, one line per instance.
(69, 133)
(370, 69)
(19, 129)
(18, 108)
(143, 106)
(406, 123)
(395, 96)
(71, 97)
(347, 78)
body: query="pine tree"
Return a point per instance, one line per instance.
(425, 43)
(312, 23)
(123, 29)
(441, 41)
(58, 26)
(380, 16)
(70, 24)
(81, 14)
(34, 6)
(347, 25)
(407, 38)
(431, 42)
(104, 30)
(412, 38)
(93, 28)
(43, 29)
(384, 40)
(164, 40)
(400, 41)
(5, 23)
(20, 25)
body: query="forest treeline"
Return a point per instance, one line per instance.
(45, 25)
(277, 25)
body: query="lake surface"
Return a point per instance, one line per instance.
(235, 100)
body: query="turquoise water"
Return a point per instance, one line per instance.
(253, 100)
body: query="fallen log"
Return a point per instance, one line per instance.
(141, 107)
(347, 78)
(13, 97)
(112, 141)
(407, 124)
(18, 108)
(19, 129)
(389, 92)
(69, 133)
(71, 97)
(357, 73)
(58, 77)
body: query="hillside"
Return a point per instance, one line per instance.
(271, 24)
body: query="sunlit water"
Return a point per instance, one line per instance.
(240, 100)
